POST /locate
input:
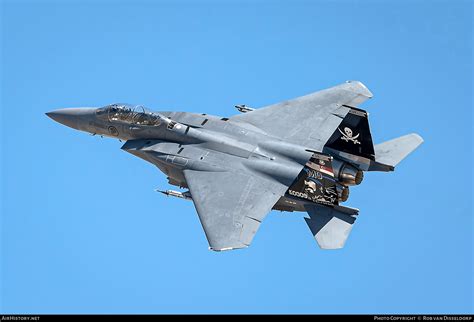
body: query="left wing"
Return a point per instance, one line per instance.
(231, 205)
(308, 120)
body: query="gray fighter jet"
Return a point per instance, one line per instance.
(297, 155)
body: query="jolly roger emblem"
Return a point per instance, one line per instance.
(347, 135)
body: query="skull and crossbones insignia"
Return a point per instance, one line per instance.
(310, 187)
(347, 135)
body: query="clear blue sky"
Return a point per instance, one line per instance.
(83, 230)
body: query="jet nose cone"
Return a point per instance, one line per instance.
(72, 117)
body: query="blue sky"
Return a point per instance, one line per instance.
(83, 230)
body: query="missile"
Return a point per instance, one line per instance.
(244, 108)
(183, 195)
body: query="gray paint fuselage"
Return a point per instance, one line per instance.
(199, 142)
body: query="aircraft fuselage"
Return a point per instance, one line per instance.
(195, 142)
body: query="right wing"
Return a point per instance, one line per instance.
(231, 205)
(308, 120)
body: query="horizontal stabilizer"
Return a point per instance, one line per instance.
(330, 226)
(393, 151)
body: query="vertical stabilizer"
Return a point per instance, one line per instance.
(353, 135)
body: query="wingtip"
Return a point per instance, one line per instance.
(360, 88)
(418, 137)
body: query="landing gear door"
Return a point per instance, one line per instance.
(316, 181)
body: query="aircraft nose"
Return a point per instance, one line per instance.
(72, 117)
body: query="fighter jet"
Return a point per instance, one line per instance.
(298, 155)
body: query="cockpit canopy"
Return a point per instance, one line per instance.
(133, 114)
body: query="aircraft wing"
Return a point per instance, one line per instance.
(308, 120)
(231, 206)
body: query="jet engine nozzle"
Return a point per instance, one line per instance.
(351, 176)
(342, 192)
(347, 174)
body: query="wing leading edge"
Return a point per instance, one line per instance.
(231, 206)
